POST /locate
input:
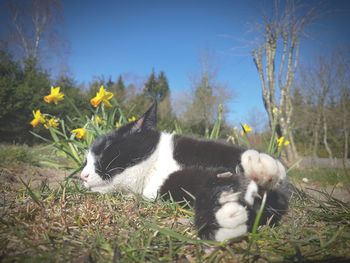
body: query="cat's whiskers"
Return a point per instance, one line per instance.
(115, 168)
(109, 145)
(113, 160)
(98, 170)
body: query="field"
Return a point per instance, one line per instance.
(46, 219)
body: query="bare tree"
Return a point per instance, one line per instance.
(342, 81)
(281, 32)
(34, 29)
(201, 103)
(324, 111)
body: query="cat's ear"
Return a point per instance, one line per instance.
(148, 120)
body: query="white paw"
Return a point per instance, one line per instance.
(228, 196)
(262, 168)
(231, 218)
(223, 234)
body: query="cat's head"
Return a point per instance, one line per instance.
(113, 154)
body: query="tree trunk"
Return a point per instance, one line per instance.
(325, 135)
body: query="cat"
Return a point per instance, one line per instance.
(224, 182)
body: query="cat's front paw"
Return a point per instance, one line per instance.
(262, 168)
(231, 217)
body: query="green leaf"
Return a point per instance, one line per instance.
(31, 193)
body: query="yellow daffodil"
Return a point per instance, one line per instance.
(133, 118)
(54, 96)
(38, 118)
(102, 96)
(246, 128)
(80, 133)
(51, 123)
(282, 141)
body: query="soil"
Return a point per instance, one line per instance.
(32, 175)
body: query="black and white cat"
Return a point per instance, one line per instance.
(223, 181)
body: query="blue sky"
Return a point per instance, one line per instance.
(131, 37)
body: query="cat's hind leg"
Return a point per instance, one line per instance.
(222, 208)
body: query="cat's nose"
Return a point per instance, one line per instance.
(84, 176)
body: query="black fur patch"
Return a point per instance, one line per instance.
(127, 146)
(209, 154)
(116, 152)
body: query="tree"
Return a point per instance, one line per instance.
(281, 32)
(321, 105)
(343, 91)
(150, 89)
(21, 91)
(162, 86)
(157, 88)
(200, 107)
(34, 29)
(119, 88)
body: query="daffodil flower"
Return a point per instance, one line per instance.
(246, 128)
(133, 118)
(38, 118)
(54, 96)
(51, 123)
(80, 133)
(282, 141)
(102, 96)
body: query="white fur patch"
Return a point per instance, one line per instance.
(262, 168)
(162, 167)
(144, 178)
(228, 196)
(232, 218)
(223, 234)
(231, 215)
(89, 176)
(251, 193)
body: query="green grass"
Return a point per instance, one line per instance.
(323, 177)
(70, 224)
(39, 155)
(16, 153)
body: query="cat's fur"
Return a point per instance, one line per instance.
(223, 181)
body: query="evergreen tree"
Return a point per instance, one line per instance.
(157, 88)
(119, 89)
(150, 89)
(109, 83)
(21, 91)
(162, 86)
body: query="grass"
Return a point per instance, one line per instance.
(10, 153)
(70, 224)
(38, 155)
(323, 177)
